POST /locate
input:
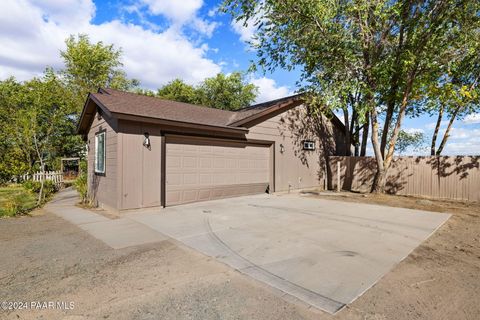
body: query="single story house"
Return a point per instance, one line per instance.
(144, 151)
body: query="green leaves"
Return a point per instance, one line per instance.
(228, 92)
(89, 66)
(178, 90)
(42, 109)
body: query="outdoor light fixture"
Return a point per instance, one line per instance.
(146, 141)
(308, 145)
(282, 148)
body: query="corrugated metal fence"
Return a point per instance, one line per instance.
(456, 177)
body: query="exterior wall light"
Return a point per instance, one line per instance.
(146, 141)
(282, 148)
(308, 145)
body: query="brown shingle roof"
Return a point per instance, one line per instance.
(128, 103)
(248, 112)
(140, 105)
(131, 104)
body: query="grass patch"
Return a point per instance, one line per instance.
(15, 199)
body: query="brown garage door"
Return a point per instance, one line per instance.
(206, 170)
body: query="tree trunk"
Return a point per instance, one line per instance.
(354, 130)
(363, 148)
(378, 185)
(401, 115)
(394, 81)
(447, 132)
(347, 132)
(386, 126)
(378, 181)
(435, 132)
(42, 170)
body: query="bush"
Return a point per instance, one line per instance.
(49, 187)
(81, 184)
(12, 206)
(15, 199)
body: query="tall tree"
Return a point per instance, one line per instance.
(89, 66)
(456, 92)
(228, 92)
(387, 49)
(40, 123)
(11, 158)
(178, 90)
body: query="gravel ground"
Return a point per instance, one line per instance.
(45, 258)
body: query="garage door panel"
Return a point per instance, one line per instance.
(202, 172)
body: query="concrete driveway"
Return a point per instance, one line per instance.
(325, 253)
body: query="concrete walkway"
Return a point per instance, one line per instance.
(325, 253)
(116, 233)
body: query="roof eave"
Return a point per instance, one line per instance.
(273, 110)
(88, 113)
(139, 118)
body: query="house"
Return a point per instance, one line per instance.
(145, 151)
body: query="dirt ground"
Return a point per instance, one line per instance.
(45, 258)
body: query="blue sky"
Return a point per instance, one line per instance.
(161, 40)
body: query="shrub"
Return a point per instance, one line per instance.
(81, 183)
(15, 199)
(49, 187)
(12, 206)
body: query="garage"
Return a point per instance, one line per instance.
(159, 152)
(206, 169)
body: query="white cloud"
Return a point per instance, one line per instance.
(472, 118)
(213, 11)
(33, 32)
(464, 133)
(181, 13)
(431, 125)
(471, 148)
(245, 32)
(462, 141)
(269, 89)
(413, 130)
(175, 10)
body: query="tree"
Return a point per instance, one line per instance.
(415, 140)
(178, 90)
(455, 93)
(38, 117)
(11, 159)
(37, 123)
(89, 66)
(387, 50)
(227, 92)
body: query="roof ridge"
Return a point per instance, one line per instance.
(162, 99)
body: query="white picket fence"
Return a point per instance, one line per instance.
(55, 176)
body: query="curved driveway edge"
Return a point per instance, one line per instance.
(325, 253)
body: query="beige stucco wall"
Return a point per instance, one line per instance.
(103, 189)
(296, 168)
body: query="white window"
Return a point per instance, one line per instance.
(308, 145)
(100, 152)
